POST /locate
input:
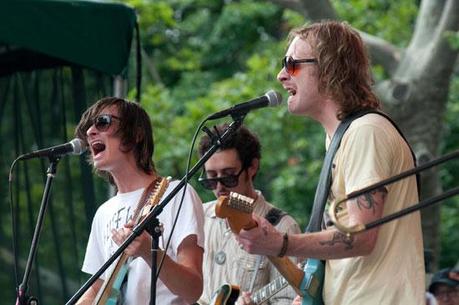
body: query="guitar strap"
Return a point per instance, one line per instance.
(274, 216)
(324, 184)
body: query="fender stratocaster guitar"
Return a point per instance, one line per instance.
(110, 291)
(237, 209)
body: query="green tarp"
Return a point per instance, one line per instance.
(47, 33)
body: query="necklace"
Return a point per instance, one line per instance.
(220, 257)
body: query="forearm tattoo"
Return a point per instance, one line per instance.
(367, 201)
(339, 238)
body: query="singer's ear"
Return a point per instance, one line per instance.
(253, 168)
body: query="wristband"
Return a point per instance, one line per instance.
(283, 250)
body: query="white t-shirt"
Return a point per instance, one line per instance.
(115, 212)
(372, 150)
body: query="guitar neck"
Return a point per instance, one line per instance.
(268, 291)
(293, 274)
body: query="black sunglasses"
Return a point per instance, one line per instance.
(227, 181)
(290, 64)
(103, 121)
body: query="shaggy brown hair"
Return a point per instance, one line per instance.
(135, 130)
(343, 65)
(245, 142)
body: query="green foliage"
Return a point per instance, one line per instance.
(392, 20)
(453, 39)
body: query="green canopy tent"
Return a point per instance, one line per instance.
(56, 58)
(46, 33)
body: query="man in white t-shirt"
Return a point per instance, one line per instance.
(120, 138)
(326, 74)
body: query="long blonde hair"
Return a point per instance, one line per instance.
(343, 65)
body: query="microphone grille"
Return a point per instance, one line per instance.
(79, 146)
(274, 98)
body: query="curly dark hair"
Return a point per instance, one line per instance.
(135, 130)
(343, 65)
(245, 142)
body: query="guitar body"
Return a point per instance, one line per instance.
(225, 295)
(312, 284)
(115, 293)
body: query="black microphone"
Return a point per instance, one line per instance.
(270, 99)
(74, 147)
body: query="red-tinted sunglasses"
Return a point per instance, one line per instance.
(290, 64)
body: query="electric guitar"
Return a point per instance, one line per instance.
(110, 291)
(237, 209)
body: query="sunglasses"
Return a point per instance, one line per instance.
(103, 121)
(290, 64)
(227, 181)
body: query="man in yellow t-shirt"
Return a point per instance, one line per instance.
(326, 73)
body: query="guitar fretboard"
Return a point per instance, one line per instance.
(269, 290)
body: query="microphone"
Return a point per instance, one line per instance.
(74, 147)
(270, 99)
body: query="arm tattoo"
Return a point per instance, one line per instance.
(338, 238)
(367, 201)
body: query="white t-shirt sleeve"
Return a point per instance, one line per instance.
(190, 220)
(94, 253)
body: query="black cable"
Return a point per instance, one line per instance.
(183, 195)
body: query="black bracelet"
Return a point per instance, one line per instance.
(283, 250)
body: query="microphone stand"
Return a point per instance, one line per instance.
(22, 297)
(151, 221)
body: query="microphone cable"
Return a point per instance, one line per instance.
(190, 153)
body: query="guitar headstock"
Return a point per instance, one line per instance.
(156, 195)
(237, 209)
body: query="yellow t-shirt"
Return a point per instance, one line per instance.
(372, 150)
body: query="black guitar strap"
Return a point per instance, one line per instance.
(324, 184)
(274, 216)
